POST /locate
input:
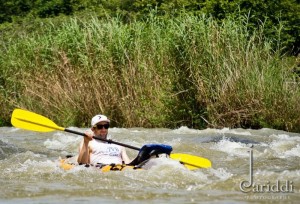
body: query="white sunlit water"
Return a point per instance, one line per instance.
(30, 172)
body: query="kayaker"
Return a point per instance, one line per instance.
(96, 152)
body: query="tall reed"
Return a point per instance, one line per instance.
(188, 70)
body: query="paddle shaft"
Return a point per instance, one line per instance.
(105, 140)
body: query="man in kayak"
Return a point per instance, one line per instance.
(92, 151)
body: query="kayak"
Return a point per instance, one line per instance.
(66, 165)
(146, 153)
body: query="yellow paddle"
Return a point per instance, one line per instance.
(32, 121)
(190, 161)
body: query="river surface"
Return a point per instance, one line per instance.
(30, 172)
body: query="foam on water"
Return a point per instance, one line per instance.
(294, 152)
(232, 148)
(62, 141)
(234, 131)
(185, 130)
(36, 167)
(169, 174)
(285, 146)
(268, 175)
(221, 173)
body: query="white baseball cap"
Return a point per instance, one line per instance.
(99, 118)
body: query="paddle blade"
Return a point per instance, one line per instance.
(191, 162)
(31, 121)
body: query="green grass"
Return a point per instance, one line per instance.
(188, 70)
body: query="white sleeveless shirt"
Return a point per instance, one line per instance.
(105, 153)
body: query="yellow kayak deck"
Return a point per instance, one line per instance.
(66, 165)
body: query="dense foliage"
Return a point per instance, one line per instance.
(152, 63)
(261, 12)
(160, 72)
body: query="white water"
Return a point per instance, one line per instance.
(30, 173)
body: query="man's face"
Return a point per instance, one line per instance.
(101, 129)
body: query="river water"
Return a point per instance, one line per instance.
(30, 172)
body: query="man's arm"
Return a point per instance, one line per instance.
(84, 150)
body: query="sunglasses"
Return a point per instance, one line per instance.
(99, 127)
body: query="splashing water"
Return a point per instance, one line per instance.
(30, 172)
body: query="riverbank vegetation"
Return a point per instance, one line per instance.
(187, 69)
